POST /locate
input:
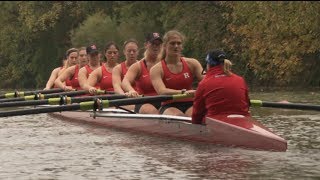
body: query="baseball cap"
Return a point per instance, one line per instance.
(92, 49)
(215, 57)
(150, 37)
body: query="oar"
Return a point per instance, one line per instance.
(27, 93)
(59, 100)
(47, 96)
(259, 103)
(98, 104)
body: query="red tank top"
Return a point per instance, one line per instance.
(178, 81)
(144, 84)
(106, 80)
(74, 80)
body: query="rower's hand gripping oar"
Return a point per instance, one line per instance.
(95, 105)
(27, 93)
(259, 103)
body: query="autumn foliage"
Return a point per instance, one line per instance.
(270, 43)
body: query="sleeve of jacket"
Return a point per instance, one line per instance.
(198, 105)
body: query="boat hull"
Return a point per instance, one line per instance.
(236, 131)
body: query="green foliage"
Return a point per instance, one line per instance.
(35, 36)
(270, 43)
(201, 22)
(138, 18)
(96, 29)
(12, 41)
(275, 37)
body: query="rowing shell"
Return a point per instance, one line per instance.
(231, 130)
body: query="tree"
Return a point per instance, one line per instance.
(96, 29)
(274, 38)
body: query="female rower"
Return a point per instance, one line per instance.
(103, 74)
(175, 74)
(138, 74)
(131, 52)
(55, 73)
(67, 81)
(93, 63)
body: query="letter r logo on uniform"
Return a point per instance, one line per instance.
(186, 75)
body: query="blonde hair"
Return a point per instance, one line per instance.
(166, 38)
(227, 67)
(145, 54)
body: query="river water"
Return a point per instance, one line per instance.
(42, 147)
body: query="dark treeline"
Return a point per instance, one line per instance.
(270, 43)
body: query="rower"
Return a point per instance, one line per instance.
(138, 74)
(103, 74)
(55, 73)
(68, 80)
(221, 92)
(93, 63)
(174, 74)
(131, 52)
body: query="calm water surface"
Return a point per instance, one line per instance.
(42, 147)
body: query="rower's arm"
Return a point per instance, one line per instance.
(116, 79)
(132, 74)
(82, 77)
(60, 81)
(195, 67)
(53, 77)
(198, 70)
(92, 80)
